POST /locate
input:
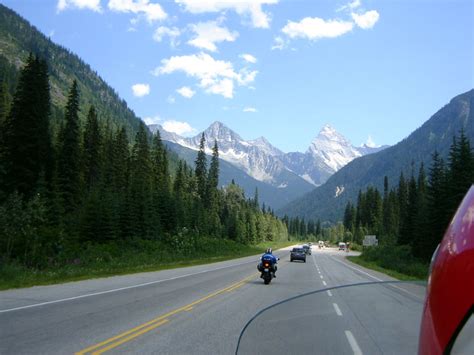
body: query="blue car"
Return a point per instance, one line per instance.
(298, 254)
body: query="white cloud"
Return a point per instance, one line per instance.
(279, 43)
(251, 8)
(250, 109)
(209, 33)
(93, 5)
(171, 100)
(248, 58)
(350, 6)
(181, 128)
(172, 32)
(152, 120)
(152, 11)
(215, 76)
(186, 92)
(315, 28)
(370, 143)
(140, 90)
(366, 20)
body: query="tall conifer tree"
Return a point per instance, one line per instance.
(201, 169)
(69, 166)
(25, 133)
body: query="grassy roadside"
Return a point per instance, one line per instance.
(103, 263)
(374, 266)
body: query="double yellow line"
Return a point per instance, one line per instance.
(133, 333)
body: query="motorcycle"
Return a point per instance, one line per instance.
(267, 274)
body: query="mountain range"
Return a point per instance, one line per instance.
(327, 153)
(280, 177)
(328, 201)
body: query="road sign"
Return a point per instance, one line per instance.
(370, 240)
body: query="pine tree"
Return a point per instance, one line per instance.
(92, 150)
(421, 247)
(214, 169)
(69, 166)
(348, 217)
(402, 207)
(26, 137)
(4, 102)
(201, 169)
(140, 187)
(460, 177)
(255, 201)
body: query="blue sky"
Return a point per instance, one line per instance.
(274, 68)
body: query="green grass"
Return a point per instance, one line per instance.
(142, 256)
(395, 261)
(373, 266)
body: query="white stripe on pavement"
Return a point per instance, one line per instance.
(321, 276)
(324, 283)
(338, 311)
(353, 343)
(329, 293)
(376, 278)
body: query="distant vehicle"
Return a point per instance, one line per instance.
(342, 246)
(298, 254)
(307, 249)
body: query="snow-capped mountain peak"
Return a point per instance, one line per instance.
(328, 133)
(332, 149)
(219, 132)
(328, 152)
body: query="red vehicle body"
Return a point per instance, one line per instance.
(450, 293)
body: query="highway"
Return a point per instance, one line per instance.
(202, 310)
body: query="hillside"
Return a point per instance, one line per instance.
(327, 202)
(18, 38)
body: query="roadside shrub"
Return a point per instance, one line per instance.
(398, 258)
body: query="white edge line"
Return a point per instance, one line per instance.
(353, 343)
(338, 311)
(321, 276)
(324, 283)
(329, 293)
(376, 278)
(117, 289)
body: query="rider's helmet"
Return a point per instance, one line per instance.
(268, 251)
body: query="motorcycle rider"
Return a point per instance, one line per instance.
(268, 256)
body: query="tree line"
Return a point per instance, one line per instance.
(416, 211)
(84, 183)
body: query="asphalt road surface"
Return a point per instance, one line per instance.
(203, 309)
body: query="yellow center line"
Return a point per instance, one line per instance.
(146, 327)
(130, 337)
(235, 287)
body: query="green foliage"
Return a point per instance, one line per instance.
(398, 258)
(125, 257)
(416, 214)
(69, 156)
(26, 141)
(99, 195)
